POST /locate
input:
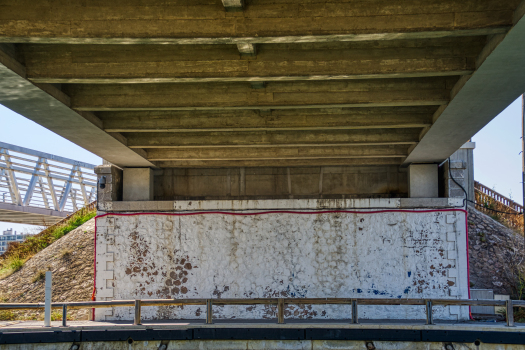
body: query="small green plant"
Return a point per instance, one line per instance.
(7, 315)
(520, 285)
(39, 275)
(56, 315)
(519, 315)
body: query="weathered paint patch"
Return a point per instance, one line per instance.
(283, 255)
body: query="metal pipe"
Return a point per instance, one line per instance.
(280, 311)
(136, 320)
(209, 311)
(428, 309)
(355, 318)
(523, 161)
(64, 315)
(510, 313)
(47, 298)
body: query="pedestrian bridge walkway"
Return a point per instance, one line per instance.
(39, 188)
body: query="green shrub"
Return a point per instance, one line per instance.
(7, 315)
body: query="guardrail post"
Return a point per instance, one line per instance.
(428, 309)
(209, 311)
(47, 299)
(136, 320)
(280, 311)
(64, 315)
(510, 313)
(355, 314)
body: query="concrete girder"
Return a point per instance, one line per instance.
(274, 138)
(498, 81)
(48, 107)
(308, 152)
(352, 162)
(277, 95)
(276, 62)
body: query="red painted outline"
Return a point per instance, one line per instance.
(315, 212)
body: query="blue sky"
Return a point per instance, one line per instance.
(497, 159)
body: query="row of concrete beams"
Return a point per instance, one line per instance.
(342, 92)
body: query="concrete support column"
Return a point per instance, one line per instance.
(138, 184)
(460, 169)
(423, 181)
(109, 184)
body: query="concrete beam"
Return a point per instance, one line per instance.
(252, 120)
(423, 181)
(278, 95)
(277, 39)
(198, 20)
(277, 62)
(248, 153)
(280, 163)
(498, 81)
(50, 107)
(253, 80)
(274, 138)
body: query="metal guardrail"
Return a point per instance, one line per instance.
(42, 180)
(488, 192)
(280, 302)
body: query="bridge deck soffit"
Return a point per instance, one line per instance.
(250, 84)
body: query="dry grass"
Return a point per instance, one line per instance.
(39, 275)
(18, 253)
(11, 264)
(65, 253)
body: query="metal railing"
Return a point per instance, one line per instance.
(487, 192)
(37, 179)
(497, 205)
(279, 302)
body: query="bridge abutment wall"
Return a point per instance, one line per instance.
(230, 249)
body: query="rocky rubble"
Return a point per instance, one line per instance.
(494, 251)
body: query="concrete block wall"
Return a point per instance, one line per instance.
(280, 183)
(389, 255)
(109, 186)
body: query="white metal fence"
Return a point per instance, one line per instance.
(31, 178)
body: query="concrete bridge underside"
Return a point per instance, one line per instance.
(271, 84)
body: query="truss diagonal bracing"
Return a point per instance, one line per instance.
(40, 188)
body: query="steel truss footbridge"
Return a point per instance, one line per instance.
(40, 188)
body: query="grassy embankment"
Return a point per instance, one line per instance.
(18, 253)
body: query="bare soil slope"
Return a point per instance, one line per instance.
(70, 259)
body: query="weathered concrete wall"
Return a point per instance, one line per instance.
(389, 255)
(274, 183)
